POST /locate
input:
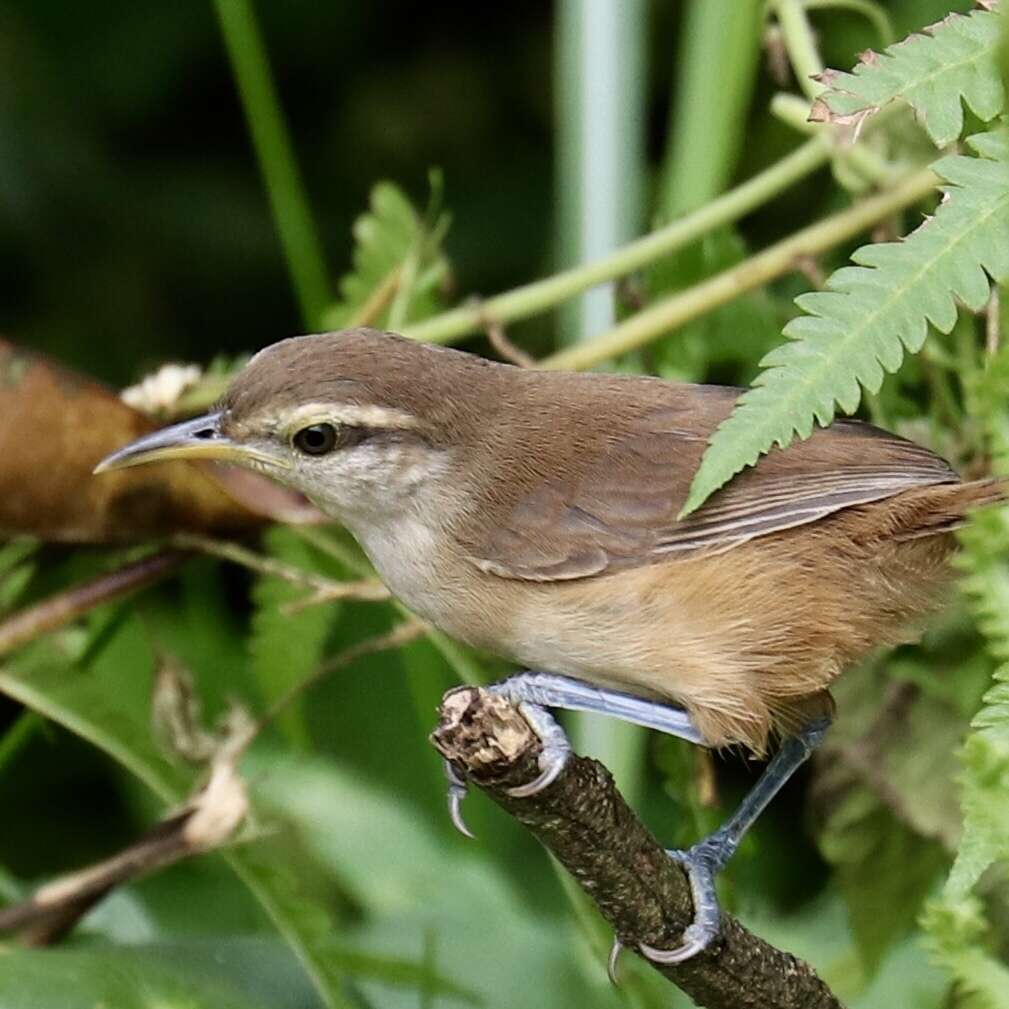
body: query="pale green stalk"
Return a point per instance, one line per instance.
(872, 12)
(540, 295)
(715, 70)
(666, 315)
(600, 179)
(797, 34)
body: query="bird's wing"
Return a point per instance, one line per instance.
(620, 511)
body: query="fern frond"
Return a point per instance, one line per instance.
(984, 561)
(398, 265)
(986, 398)
(955, 923)
(869, 315)
(949, 63)
(955, 933)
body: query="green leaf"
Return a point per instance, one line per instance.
(127, 978)
(859, 328)
(986, 399)
(398, 264)
(107, 702)
(16, 569)
(985, 755)
(958, 931)
(955, 932)
(286, 647)
(414, 884)
(950, 62)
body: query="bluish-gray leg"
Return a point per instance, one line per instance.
(708, 857)
(533, 692)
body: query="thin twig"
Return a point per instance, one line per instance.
(206, 822)
(324, 589)
(58, 610)
(993, 322)
(367, 590)
(508, 350)
(642, 893)
(402, 634)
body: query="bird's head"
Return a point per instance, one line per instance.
(358, 421)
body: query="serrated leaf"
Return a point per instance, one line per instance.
(955, 924)
(398, 265)
(955, 931)
(934, 71)
(860, 327)
(984, 758)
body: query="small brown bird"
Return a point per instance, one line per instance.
(534, 514)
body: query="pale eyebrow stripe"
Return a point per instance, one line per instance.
(354, 415)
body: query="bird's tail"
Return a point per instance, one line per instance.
(944, 507)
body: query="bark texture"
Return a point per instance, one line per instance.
(640, 891)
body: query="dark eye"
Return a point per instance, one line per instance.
(317, 439)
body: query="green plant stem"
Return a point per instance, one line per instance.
(715, 70)
(800, 45)
(779, 259)
(541, 295)
(15, 738)
(288, 199)
(872, 12)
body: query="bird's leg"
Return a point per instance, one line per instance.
(533, 692)
(704, 860)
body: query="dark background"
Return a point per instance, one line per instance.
(133, 225)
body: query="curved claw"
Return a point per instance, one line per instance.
(554, 755)
(457, 789)
(700, 864)
(611, 961)
(693, 945)
(554, 765)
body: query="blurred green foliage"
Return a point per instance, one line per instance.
(133, 228)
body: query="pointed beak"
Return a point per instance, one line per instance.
(200, 438)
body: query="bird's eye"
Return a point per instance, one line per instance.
(316, 439)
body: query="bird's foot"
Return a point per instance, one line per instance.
(554, 752)
(701, 863)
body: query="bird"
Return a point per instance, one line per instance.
(537, 515)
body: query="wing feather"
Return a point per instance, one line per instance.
(620, 508)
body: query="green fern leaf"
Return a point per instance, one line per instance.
(955, 932)
(951, 62)
(984, 560)
(860, 327)
(955, 923)
(986, 397)
(398, 265)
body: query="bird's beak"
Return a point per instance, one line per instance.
(200, 438)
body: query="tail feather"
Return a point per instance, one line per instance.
(943, 508)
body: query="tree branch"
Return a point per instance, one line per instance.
(583, 820)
